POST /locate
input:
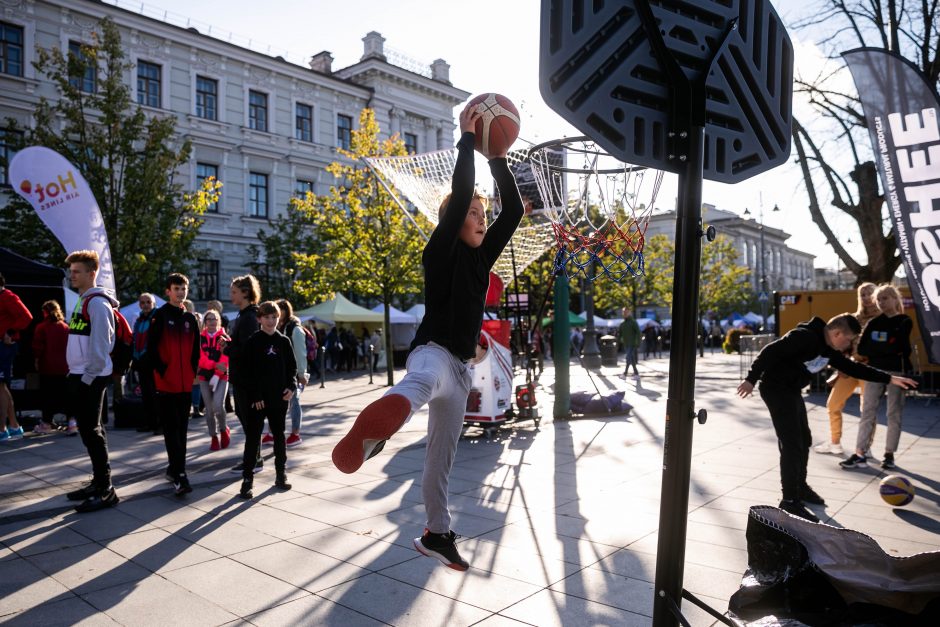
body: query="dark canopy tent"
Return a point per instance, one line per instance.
(34, 283)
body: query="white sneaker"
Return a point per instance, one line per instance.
(828, 447)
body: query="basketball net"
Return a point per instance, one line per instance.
(599, 207)
(423, 180)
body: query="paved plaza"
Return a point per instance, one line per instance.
(558, 522)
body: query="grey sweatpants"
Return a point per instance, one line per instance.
(441, 381)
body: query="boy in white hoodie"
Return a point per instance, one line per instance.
(91, 340)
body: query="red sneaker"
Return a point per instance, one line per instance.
(293, 439)
(226, 437)
(379, 421)
(267, 439)
(215, 444)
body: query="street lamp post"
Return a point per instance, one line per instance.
(762, 268)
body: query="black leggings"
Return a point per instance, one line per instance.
(788, 413)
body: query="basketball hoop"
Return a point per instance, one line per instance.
(424, 179)
(599, 207)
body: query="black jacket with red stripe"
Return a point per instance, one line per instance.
(173, 349)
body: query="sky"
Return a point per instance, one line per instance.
(491, 46)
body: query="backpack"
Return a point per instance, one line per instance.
(311, 341)
(123, 338)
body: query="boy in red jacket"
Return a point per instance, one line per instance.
(173, 351)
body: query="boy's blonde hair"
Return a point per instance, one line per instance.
(476, 195)
(87, 257)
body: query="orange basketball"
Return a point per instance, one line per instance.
(498, 127)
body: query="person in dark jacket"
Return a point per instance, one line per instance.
(886, 342)
(784, 367)
(269, 369)
(142, 367)
(457, 261)
(245, 293)
(173, 352)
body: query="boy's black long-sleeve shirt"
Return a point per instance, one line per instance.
(886, 342)
(791, 360)
(246, 325)
(269, 366)
(457, 276)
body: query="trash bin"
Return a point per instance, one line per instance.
(608, 350)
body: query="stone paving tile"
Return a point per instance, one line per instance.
(299, 566)
(509, 561)
(579, 551)
(157, 602)
(280, 524)
(87, 568)
(159, 551)
(72, 611)
(375, 497)
(159, 511)
(41, 536)
(362, 550)
(221, 535)
(234, 586)
(24, 587)
(402, 604)
(104, 524)
(323, 510)
(550, 608)
(500, 621)
(310, 610)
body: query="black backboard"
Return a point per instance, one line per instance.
(599, 71)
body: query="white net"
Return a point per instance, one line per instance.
(423, 180)
(599, 207)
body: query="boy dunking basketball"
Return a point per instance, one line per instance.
(457, 261)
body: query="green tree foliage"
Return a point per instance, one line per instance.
(129, 158)
(653, 287)
(368, 245)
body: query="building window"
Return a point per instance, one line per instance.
(207, 98)
(207, 280)
(8, 139)
(257, 111)
(304, 123)
(11, 49)
(257, 195)
(343, 131)
(204, 171)
(148, 84)
(301, 188)
(411, 143)
(87, 79)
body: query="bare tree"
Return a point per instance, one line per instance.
(910, 29)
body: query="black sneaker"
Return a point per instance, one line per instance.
(84, 492)
(809, 495)
(442, 546)
(855, 461)
(245, 491)
(100, 500)
(888, 462)
(281, 481)
(795, 507)
(181, 485)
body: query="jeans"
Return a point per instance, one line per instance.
(630, 359)
(296, 411)
(215, 406)
(871, 398)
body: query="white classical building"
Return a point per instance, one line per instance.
(267, 128)
(784, 268)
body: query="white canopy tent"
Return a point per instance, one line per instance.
(404, 326)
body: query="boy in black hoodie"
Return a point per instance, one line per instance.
(270, 379)
(784, 367)
(457, 260)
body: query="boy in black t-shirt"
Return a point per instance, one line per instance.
(270, 379)
(457, 261)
